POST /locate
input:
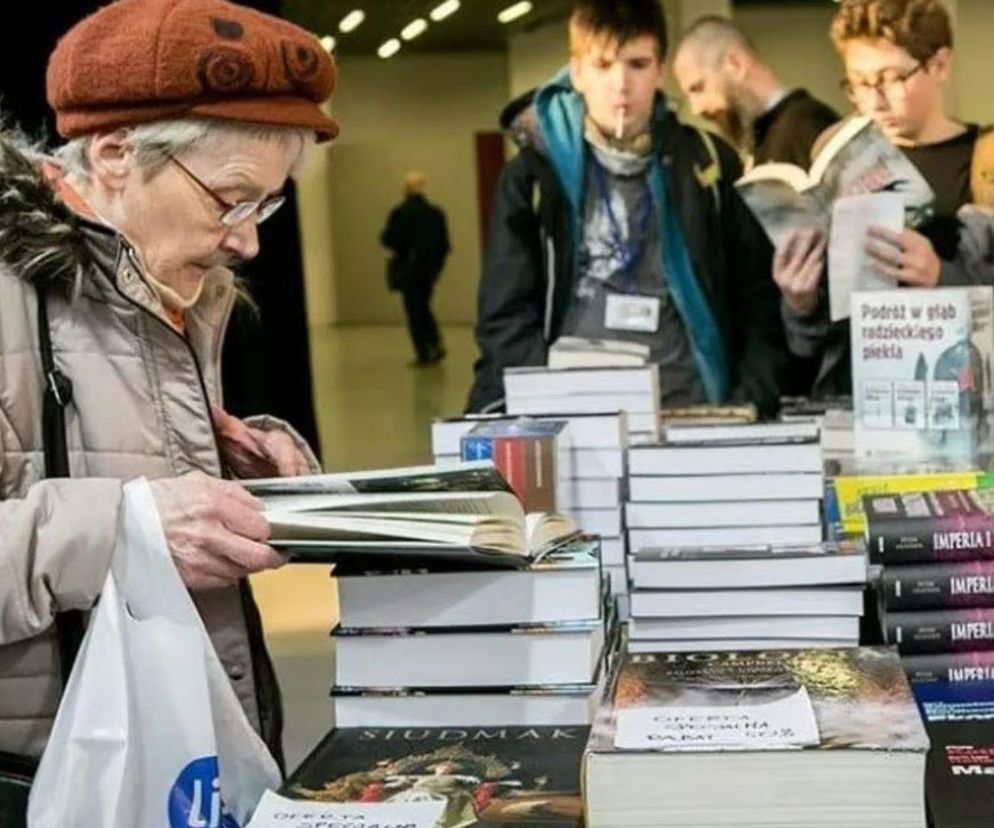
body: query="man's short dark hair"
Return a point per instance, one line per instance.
(617, 22)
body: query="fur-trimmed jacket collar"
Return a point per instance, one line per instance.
(41, 239)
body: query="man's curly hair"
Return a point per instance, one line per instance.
(920, 27)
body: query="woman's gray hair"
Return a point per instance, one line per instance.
(155, 142)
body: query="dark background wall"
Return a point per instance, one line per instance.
(266, 357)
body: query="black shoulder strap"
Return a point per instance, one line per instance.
(57, 395)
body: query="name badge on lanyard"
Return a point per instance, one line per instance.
(638, 314)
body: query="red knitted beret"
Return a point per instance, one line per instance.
(137, 61)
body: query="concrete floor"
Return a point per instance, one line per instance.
(373, 412)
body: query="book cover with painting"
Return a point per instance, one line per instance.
(487, 776)
(922, 374)
(860, 697)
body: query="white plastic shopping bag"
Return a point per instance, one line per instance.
(149, 733)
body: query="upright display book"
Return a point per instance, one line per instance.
(852, 727)
(938, 585)
(532, 455)
(931, 526)
(487, 776)
(940, 631)
(922, 374)
(960, 775)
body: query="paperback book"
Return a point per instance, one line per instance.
(857, 160)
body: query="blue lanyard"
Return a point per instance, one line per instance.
(629, 250)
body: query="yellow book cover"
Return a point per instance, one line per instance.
(851, 489)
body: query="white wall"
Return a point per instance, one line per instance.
(795, 42)
(973, 98)
(413, 111)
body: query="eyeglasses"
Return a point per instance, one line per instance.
(234, 213)
(892, 84)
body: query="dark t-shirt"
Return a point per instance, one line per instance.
(787, 132)
(946, 167)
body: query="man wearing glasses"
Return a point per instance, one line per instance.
(182, 120)
(897, 57)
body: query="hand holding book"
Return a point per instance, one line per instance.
(798, 267)
(905, 256)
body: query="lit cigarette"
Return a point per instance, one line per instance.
(619, 125)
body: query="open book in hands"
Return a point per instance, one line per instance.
(858, 159)
(859, 179)
(463, 513)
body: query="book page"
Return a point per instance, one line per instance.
(849, 265)
(781, 211)
(480, 476)
(465, 503)
(458, 530)
(543, 529)
(789, 174)
(860, 159)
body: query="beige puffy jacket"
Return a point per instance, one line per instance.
(141, 407)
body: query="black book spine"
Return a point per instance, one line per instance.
(945, 585)
(940, 631)
(951, 668)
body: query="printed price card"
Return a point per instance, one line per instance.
(275, 811)
(777, 725)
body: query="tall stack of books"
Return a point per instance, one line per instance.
(747, 598)
(455, 605)
(541, 391)
(828, 738)
(937, 586)
(726, 485)
(596, 488)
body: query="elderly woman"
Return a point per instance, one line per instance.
(184, 119)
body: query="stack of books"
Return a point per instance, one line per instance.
(455, 605)
(432, 646)
(595, 487)
(827, 738)
(936, 550)
(726, 485)
(749, 598)
(541, 391)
